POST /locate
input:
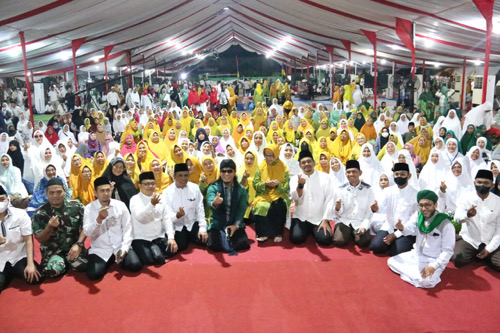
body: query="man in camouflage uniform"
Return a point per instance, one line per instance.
(58, 226)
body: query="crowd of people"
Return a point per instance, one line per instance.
(152, 173)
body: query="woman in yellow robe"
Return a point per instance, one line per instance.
(194, 167)
(348, 95)
(76, 164)
(289, 132)
(144, 156)
(342, 146)
(323, 163)
(99, 164)
(360, 140)
(260, 118)
(84, 190)
(157, 145)
(186, 121)
(245, 176)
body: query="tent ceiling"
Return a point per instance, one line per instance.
(289, 31)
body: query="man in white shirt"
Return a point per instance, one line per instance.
(400, 202)
(479, 215)
(351, 209)
(435, 238)
(148, 223)
(184, 209)
(224, 97)
(107, 222)
(310, 190)
(54, 97)
(113, 99)
(135, 98)
(16, 245)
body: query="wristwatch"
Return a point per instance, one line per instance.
(80, 244)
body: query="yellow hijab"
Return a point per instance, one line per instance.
(289, 133)
(194, 176)
(342, 149)
(74, 172)
(259, 118)
(251, 170)
(273, 171)
(318, 165)
(356, 148)
(162, 179)
(159, 148)
(148, 158)
(84, 190)
(186, 121)
(134, 172)
(98, 169)
(213, 175)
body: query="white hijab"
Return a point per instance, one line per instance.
(403, 124)
(475, 165)
(379, 123)
(291, 163)
(413, 171)
(371, 166)
(453, 124)
(389, 159)
(450, 158)
(458, 186)
(258, 150)
(338, 177)
(432, 173)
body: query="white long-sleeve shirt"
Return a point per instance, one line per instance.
(191, 199)
(113, 234)
(438, 244)
(485, 226)
(147, 220)
(400, 204)
(318, 192)
(112, 98)
(16, 224)
(356, 204)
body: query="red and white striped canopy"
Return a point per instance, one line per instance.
(296, 32)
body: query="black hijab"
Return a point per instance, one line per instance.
(123, 184)
(16, 156)
(359, 122)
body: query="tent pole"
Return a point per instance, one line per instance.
(129, 67)
(486, 9)
(423, 73)
(463, 85)
(28, 86)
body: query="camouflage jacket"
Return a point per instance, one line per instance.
(71, 223)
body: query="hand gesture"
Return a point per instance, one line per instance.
(180, 212)
(112, 186)
(26, 146)
(338, 204)
(427, 272)
(246, 174)
(374, 206)
(155, 199)
(203, 236)
(173, 245)
(54, 221)
(325, 226)
(218, 200)
(301, 180)
(443, 187)
(120, 256)
(361, 231)
(231, 230)
(203, 178)
(400, 225)
(117, 152)
(472, 211)
(103, 214)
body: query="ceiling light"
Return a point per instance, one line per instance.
(436, 65)
(383, 61)
(96, 59)
(183, 76)
(226, 8)
(428, 42)
(96, 66)
(114, 68)
(477, 62)
(65, 55)
(364, 62)
(15, 51)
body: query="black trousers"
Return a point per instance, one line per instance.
(272, 224)
(344, 234)
(17, 271)
(399, 245)
(218, 241)
(301, 229)
(150, 252)
(97, 267)
(184, 237)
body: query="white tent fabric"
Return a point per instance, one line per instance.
(288, 31)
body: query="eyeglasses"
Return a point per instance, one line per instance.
(426, 205)
(227, 171)
(149, 184)
(38, 136)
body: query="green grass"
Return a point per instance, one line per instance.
(43, 117)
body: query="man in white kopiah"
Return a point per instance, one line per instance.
(435, 234)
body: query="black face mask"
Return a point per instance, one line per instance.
(400, 180)
(481, 189)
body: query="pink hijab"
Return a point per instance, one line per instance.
(128, 148)
(414, 157)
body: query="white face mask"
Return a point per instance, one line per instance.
(3, 206)
(385, 134)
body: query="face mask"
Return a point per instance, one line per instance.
(385, 134)
(400, 180)
(3, 206)
(482, 189)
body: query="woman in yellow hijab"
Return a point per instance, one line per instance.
(392, 138)
(237, 134)
(168, 124)
(186, 121)
(246, 175)
(99, 164)
(244, 120)
(170, 139)
(323, 130)
(342, 146)
(133, 129)
(272, 186)
(289, 132)
(303, 127)
(76, 164)
(350, 126)
(336, 95)
(177, 156)
(223, 113)
(422, 147)
(323, 162)
(162, 179)
(224, 124)
(322, 146)
(309, 135)
(356, 148)
(84, 191)
(212, 124)
(258, 95)
(243, 144)
(260, 118)
(144, 156)
(273, 128)
(157, 145)
(194, 167)
(132, 169)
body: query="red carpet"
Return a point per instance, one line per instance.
(270, 288)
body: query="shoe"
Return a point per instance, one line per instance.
(262, 239)
(278, 239)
